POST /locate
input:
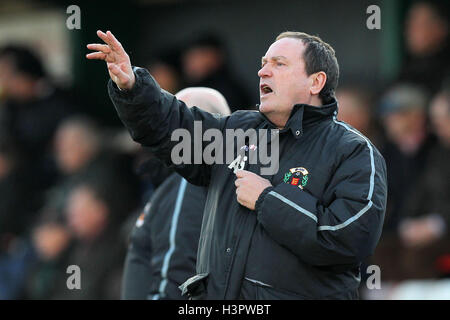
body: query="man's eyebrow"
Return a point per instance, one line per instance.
(276, 58)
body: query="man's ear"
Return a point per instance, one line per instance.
(319, 80)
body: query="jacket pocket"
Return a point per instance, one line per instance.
(195, 287)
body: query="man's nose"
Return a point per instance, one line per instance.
(264, 71)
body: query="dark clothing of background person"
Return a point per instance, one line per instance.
(100, 262)
(427, 192)
(46, 278)
(431, 190)
(223, 81)
(17, 204)
(32, 124)
(297, 243)
(403, 172)
(209, 51)
(428, 71)
(430, 196)
(163, 247)
(108, 168)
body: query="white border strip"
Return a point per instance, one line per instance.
(372, 163)
(258, 282)
(348, 221)
(371, 184)
(294, 205)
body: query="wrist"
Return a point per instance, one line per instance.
(129, 86)
(261, 198)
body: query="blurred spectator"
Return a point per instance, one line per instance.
(355, 108)
(426, 218)
(440, 116)
(166, 70)
(16, 195)
(427, 45)
(70, 215)
(403, 115)
(31, 106)
(166, 76)
(423, 230)
(94, 217)
(204, 64)
(77, 151)
(52, 243)
(80, 154)
(76, 143)
(17, 203)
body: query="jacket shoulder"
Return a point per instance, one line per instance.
(350, 139)
(244, 119)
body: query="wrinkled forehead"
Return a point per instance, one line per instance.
(289, 48)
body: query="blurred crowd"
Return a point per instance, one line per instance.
(71, 189)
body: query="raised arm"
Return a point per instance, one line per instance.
(153, 115)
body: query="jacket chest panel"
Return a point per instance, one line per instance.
(304, 165)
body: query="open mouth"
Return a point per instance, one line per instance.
(265, 89)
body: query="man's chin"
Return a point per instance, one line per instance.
(264, 108)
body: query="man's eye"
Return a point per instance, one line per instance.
(280, 64)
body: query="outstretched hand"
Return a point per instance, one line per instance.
(117, 60)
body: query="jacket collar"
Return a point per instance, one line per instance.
(304, 115)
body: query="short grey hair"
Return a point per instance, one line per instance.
(204, 98)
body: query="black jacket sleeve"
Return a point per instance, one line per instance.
(151, 115)
(342, 232)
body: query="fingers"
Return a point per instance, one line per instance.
(99, 47)
(104, 37)
(238, 196)
(96, 55)
(241, 173)
(110, 40)
(113, 38)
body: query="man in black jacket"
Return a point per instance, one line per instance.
(298, 233)
(163, 245)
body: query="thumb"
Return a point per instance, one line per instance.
(118, 76)
(241, 173)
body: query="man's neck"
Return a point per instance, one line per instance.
(280, 120)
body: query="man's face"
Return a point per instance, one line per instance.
(283, 80)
